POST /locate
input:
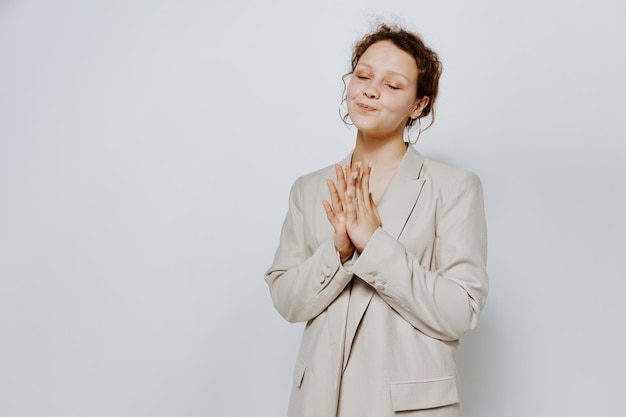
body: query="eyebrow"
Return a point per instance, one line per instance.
(388, 72)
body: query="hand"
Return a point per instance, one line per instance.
(336, 213)
(362, 218)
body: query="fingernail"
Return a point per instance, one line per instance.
(355, 175)
(360, 164)
(371, 164)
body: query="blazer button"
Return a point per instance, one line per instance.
(328, 272)
(370, 279)
(322, 278)
(380, 287)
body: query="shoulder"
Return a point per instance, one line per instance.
(447, 175)
(443, 171)
(453, 189)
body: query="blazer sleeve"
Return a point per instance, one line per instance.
(303, 281)
(443, 302)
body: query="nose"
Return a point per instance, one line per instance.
(370, 92)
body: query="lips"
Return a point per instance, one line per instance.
(365, 107)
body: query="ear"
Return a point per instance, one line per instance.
(419, 106)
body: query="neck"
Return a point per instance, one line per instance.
(382, 153)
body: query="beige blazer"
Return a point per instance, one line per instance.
(382, 330)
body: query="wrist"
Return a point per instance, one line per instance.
(345, 254)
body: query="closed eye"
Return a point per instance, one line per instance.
(393, 87)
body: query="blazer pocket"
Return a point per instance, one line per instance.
(425, 393)
(298, 372)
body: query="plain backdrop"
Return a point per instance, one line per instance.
(146, 154)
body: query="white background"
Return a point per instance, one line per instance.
(146, 153)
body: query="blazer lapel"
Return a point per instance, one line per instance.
(360, 296)
(337, 313)
(400, 196)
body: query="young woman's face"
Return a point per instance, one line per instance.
(381, 94)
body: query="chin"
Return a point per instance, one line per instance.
(364, 123)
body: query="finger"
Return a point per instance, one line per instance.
(333, 219)
(351, 214)
(359, 187)
(337, 204)
(341, 179)
(351, 179)
(341, 182)
(329, 211)
(365, 185)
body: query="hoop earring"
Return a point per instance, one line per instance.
(419, 131)
(345, 117)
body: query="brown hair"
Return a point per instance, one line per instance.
(428, 65)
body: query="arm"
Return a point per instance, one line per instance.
(445, 302)
(302, 285)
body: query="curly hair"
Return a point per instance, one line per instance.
(429, 66)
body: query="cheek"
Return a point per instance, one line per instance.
(402, 104)
(353, 88)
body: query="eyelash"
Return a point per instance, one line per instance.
(363, 77)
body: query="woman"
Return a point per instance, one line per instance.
(383, 256)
